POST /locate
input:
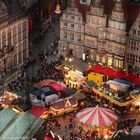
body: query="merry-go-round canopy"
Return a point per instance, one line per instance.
(96, 117)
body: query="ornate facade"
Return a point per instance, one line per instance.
(105, 34)
(71, 32)
(95, 33)
(13, 41)
(133, 46)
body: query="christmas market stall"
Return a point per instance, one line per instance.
(95, 122)
(62, 106)
(74, 78)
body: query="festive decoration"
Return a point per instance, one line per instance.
(97, 117)
(57, 10)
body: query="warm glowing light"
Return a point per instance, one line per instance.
(106, 137)
(138, 103)
(70, 59)
(57, 10)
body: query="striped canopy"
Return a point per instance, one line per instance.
(96, 116)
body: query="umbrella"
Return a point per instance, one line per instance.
(97, 68)
(96, 116)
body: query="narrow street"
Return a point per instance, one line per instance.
(44, 44)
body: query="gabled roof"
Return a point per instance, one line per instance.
(131, 10)
(13, 7)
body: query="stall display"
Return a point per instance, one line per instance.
(62, 106)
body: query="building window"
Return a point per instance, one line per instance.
(79, 27)
(14, 36)
(65, 34)
(19, 32)
(24, 29)
(65, 24)
(66, 16)
(110, 48)
(9, 37)
(139, 33)
(72, 25)
(3, 39)
(118, 39)
(134, 32)
(79, 38)
(24, 50)
(79, 18)
(19, 57)
(72, 36)
(110, 36)
(72, 17)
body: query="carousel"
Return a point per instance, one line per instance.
(95, 122)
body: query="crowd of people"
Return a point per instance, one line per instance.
(47, 66)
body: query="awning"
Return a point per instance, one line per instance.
(136, 81)
(130, 76)
(38, 111)
(56, 86)
(43, 83)
(97, 68)
(109, 71)
(119, 74)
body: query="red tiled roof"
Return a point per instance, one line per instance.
(131, 10)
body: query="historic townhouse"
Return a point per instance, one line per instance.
(71, 32)
(116, 36)
(133, 46)
(13, 39)
(95, 33)
(111, 34)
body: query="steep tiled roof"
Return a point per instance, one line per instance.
(13, 7)
(131, 10)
